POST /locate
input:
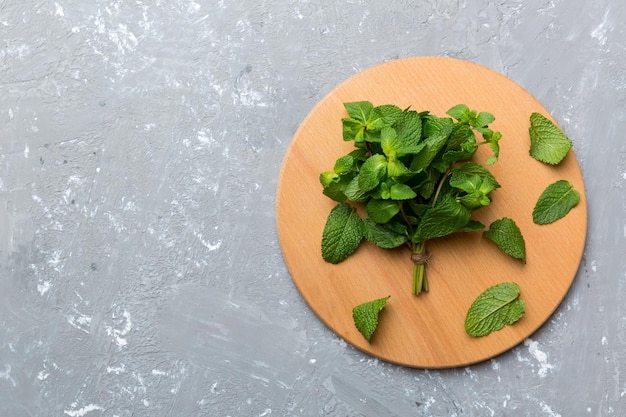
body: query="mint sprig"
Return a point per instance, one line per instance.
(414, 175)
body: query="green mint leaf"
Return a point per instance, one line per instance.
(401, 192)
(366, 316)
(432, 146)
(342, 233)
(353, 192)
(484, 119)
(548, 143)
(472, 226)
(555, 202)
(359, 110)
(328, 177)
(465, 172)
(344, 165)
(383, 236)
(372, 172)
(381, 211)
(352, 129)
(445, 218)
(383, 116)
(460, 112)
(409, 130)
(389, 141)
(493, 309)
(505, 233)
(396, 169)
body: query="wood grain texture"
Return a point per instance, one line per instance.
(427, 331)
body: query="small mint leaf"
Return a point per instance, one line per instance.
(383, 236)
(372, 172)
(366, 316)
(505, 233)
(381, 211)
(555, 202)
(359, 110)
(548, 143)
(342, 233)
(493, 309)
(401, 192)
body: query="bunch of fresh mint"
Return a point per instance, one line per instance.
(412, 173)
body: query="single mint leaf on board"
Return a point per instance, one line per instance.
(366, 316)
(548, 143)
(505, 233)
(555, 202)
(493, 309)
(342, 233)
(383, 236)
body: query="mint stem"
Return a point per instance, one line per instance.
(420, 282)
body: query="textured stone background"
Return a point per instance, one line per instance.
(140, 142)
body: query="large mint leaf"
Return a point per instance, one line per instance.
(548, 143)
(383, 116)
(555, 202)
(342, 233)
(505, 233)
(493, 309)
(366, 316)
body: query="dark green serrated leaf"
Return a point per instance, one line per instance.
(342, 233)
(445, 218)
(505, 233)
(381, 211)
(366, 316)
(432, 146)
(495, 308)
(409, 130)
(555, 202)
(548, 143)
(383, 236)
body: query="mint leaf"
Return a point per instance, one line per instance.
(383, 236)
(401, 192)
(359, 110)
(493, 309)
(381, 211)
(432, 146)
(342, 233)
(555, 202)
(548, 143)
(445, 218)
(505, 233)
(372, 172)
(366, 316)
(383, 116)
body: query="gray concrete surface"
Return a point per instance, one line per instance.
(140, 142)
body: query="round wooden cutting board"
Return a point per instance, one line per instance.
(428, 331)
